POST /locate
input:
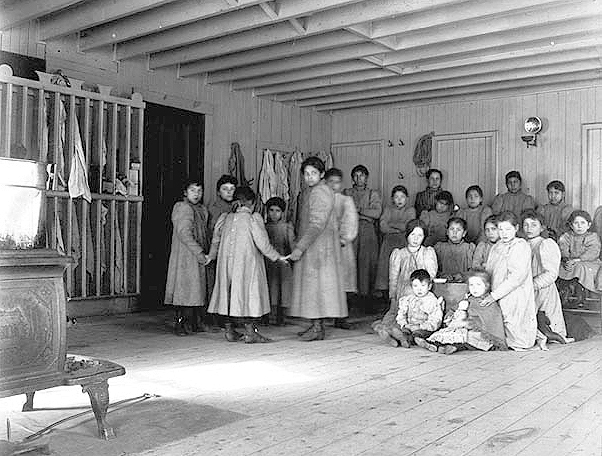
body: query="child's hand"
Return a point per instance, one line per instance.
(570, 264)
(487, 301)
(208, 260)
(343, 242)
(295, 255)
(283, 259)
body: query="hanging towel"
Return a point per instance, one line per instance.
(294, 173)
(267, 177)
(281, 176)
(78, 173)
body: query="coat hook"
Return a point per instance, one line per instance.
(401, 143)
(390, 143)
(400, 175)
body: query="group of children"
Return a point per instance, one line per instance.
(507, 254)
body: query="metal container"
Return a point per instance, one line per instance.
(22, 204)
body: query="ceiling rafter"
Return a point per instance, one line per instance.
(501, 64)
(538, 82)
(294, 63)
(277, 51)
(89, 14)
(16, 13)
(317, 22)
(484, 78)
(306, 73)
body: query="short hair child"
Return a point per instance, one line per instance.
(333, 172)
(491, 234)
(359, 169)
(436, 219)
(280, 274)
(556, 211)
(455, 255)
(420, 313)
(226, 179)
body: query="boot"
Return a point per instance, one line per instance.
(179, 325)
(315, 332)
(231, 334)
(252, 335)
(306, 330)
(342, 323)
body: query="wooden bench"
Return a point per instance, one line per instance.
(93, 375)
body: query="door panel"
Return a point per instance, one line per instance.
(591, 143)
(467, 159)
(367, 153)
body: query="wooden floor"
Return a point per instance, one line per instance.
(351, 395)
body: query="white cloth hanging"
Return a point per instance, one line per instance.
(78, 173)
(281, 176)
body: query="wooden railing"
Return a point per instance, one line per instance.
(50, 123)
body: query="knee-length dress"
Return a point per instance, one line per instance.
(241, 288)
(586, 248)
(402, 263)
(318, 290)
(545, 264)
(509, 264)
(348, 222)
(454, 259)
(186, 276)
(369, 206)
(393, 227)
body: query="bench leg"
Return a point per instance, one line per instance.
(28, 406)
(99, 399)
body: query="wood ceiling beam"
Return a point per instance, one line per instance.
(237, 42)
(267, 53)
(333, 80)
(504, 64)
(503, 23)
(485, 78)
(496, 40)
(295, 63)
(21, 11)
(538, 83)
(322, 15)
(448, 14)
(93, 13)
(306, 73)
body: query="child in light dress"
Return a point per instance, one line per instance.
(420, 312)
(580, 250)
(436, 220)
(475, 213)
(455, 255)
(393, 223)
(492, 236)
(280, 273)
(473, 325)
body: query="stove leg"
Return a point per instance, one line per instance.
(28, 406)
(99, 399)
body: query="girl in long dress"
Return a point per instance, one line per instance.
(393, 227)
(509, 264)
(545, 264)
(186, 287)
(402, 263)
(318, 289)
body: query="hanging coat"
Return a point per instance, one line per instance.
(236, 165)
(318, 290)
(281, 177)
(267, 177)
(241, 288)
(294, 173)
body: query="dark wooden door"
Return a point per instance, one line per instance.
(173, 152)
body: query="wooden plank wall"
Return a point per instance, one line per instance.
(557, 155)
(230, 116)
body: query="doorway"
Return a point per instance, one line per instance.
(173, 152)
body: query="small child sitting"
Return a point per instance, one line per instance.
(436, 220)
(420, 313)
(280, 273)
(473, 325)
(455, 255)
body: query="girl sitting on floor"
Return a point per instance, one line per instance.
(455, 255)
(580, 251)
(472, 325)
